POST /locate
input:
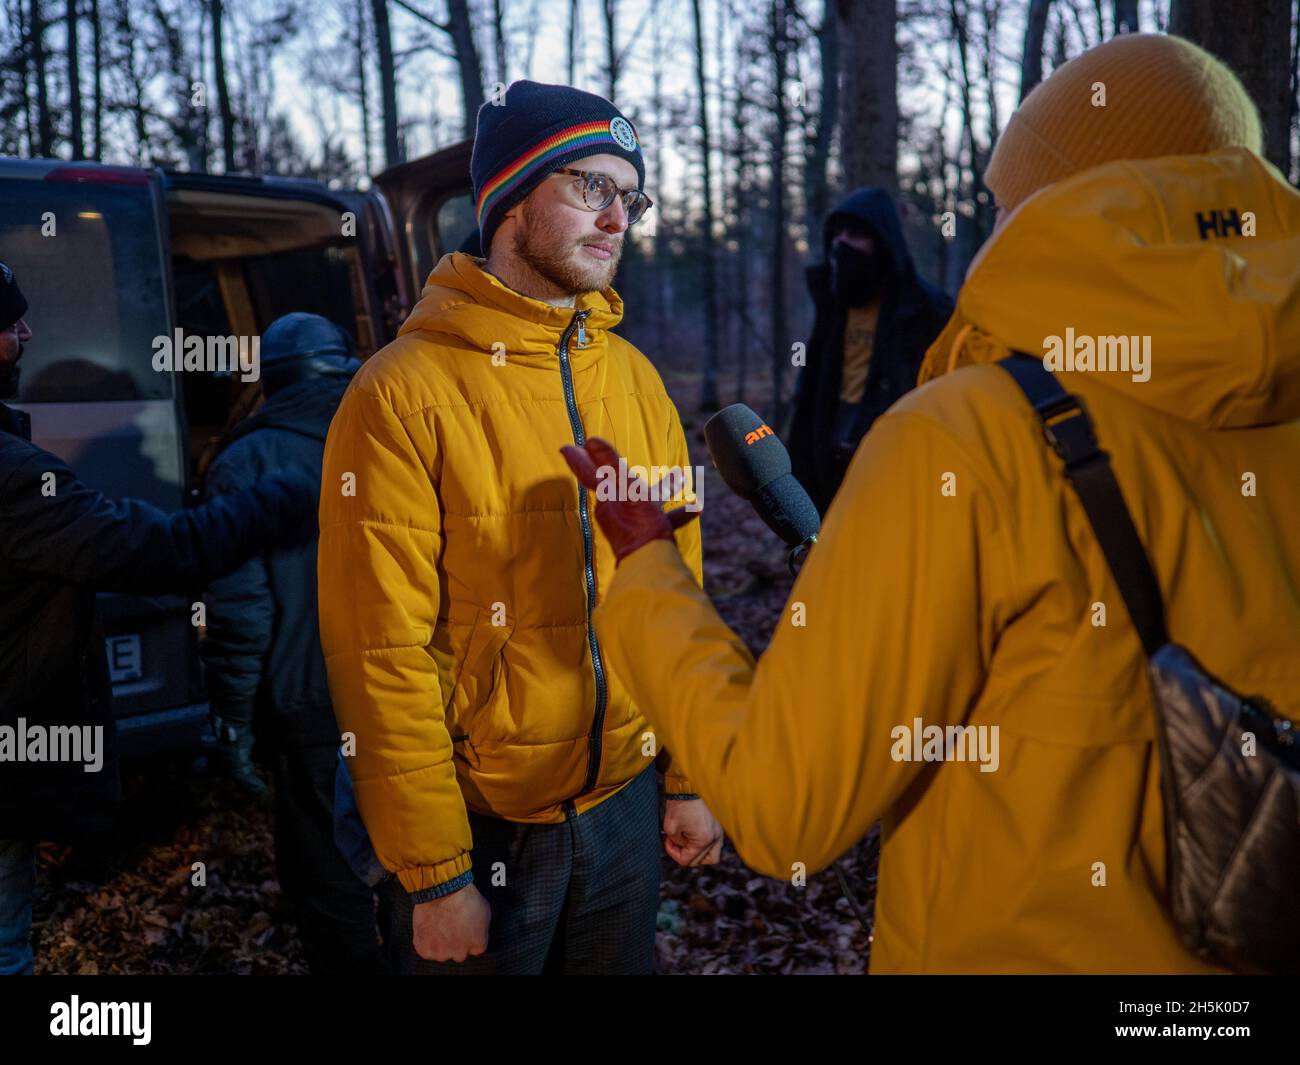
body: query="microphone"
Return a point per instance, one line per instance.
(756, 466)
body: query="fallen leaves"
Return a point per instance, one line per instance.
(132, 906)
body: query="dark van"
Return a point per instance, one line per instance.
(113, 258)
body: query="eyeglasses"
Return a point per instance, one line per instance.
(599, 190)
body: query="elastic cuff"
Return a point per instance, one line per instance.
(422, 877)
(681, 796)
(438, 891)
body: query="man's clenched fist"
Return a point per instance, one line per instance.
(692, 835)
(453, 927)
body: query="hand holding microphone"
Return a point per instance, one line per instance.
(626, 523)
(752, 461)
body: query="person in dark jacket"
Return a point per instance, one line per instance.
(263, 651)
(875, 318)
(60, 543)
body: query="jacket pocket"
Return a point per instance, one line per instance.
(478, 680)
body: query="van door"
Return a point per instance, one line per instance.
(88, 245)
(243, 252)
(380, 277)
(432, 206)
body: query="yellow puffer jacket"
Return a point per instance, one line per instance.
(454, 587)
(957, 577)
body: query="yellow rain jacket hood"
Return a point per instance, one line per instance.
(1166, 252)
(958, 583)
(455, 584)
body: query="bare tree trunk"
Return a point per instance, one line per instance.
(985, 208)
(187, 123)
(742, 205)
(950, 273)
(499, 37)
(387, 82)
(24, 74)
(1031, 58)
(1126, 17)
(709, 384)
(530, 37)
(471, 71)
(611, 47)
(1099, 8)
(363, 88)
(76, 133)
(460, 28)
(778, 40)
(654, 176)
(816, 179)
(967, 188)
(869, 112)
(44, 128)
(126, 33)
(223, 90)
(991, 11)
(573, 38)
(1295, 87)
(202, 115)
(97, 50)
(1084, 35)
(1255, 41)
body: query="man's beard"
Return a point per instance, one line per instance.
(549, 254)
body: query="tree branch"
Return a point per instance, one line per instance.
(422, 16)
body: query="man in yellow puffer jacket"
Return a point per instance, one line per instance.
(504, 773)
(957, 581)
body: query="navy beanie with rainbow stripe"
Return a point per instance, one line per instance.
(535, 131)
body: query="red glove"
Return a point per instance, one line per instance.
(627, 524)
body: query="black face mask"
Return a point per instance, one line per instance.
(856, 276)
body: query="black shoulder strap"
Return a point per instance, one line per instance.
(1069, 430)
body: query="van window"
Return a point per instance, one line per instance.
(456, 222)
(94, 286)
(436, 228)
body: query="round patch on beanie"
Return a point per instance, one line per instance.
(621, 130)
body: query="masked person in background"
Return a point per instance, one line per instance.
(262, 649)
(875, 317)
(60, 543)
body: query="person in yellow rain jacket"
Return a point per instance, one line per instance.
(503, 772)
(957, 581)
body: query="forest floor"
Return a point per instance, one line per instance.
(129, 907)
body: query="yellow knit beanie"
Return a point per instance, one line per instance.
(1162, 96)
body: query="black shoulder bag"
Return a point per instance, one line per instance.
(1232, 819)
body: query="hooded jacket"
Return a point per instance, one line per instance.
(262, 643)
(458, 570)
(912, 311)
(957, 582)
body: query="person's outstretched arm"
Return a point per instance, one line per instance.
(58, 527)
(890, 620)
